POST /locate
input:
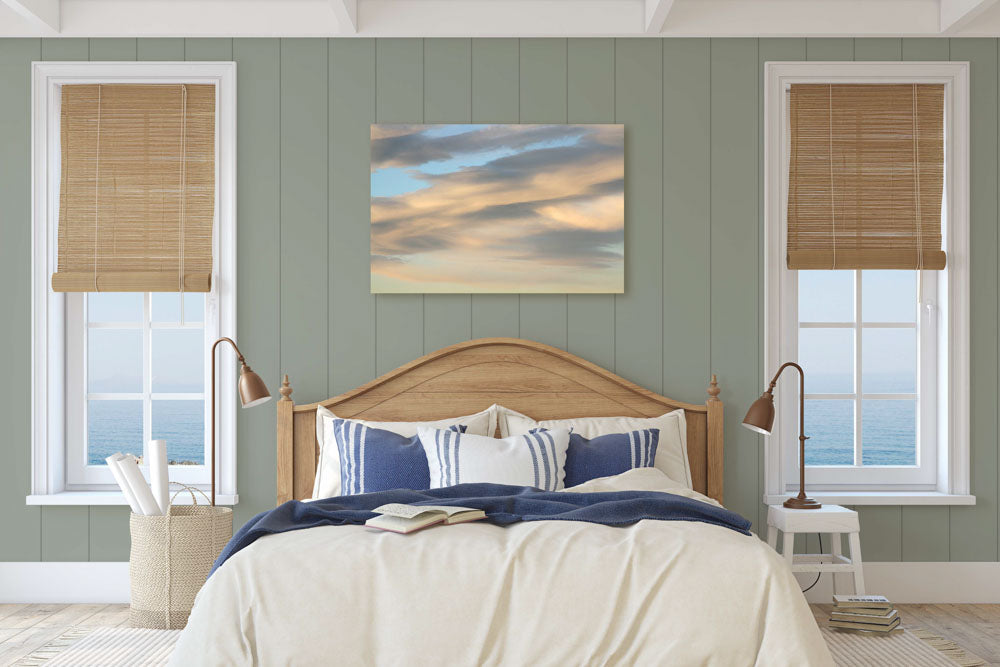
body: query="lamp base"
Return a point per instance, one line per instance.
(802, 504)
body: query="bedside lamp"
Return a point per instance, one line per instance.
(252, 390)
(760, 418)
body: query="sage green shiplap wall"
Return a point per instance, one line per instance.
(694, 150)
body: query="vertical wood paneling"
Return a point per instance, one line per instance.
(974, 529)
(735, 325)
(543, 99)
(878, 49)
(109, 533)
(767, 50)
(590, 98)
(171, 48)
(925, 530)
(399, 99)
(687, 211)
(22, 530)
(113, 49)
(65, 534)
(495, 99)
(823, 48)
(303, 216)
(352, 305)
(258, 240)
(208, 49)
(62, 526)
(447, 99)
(65, 49)
(692, 112)
(639, 312)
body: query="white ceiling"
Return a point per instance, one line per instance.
(499, 18)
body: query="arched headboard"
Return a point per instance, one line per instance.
(541, 381)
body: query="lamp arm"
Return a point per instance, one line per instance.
(802, 394)
(242, 361)
(239, 354)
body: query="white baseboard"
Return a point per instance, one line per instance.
(53, 582)
(900, 582)
(954, 582)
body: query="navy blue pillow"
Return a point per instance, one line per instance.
(372, 459)
(610, 454)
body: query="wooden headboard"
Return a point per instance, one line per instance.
(540, 381)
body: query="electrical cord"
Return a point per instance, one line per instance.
(818, 574)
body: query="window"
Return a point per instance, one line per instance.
(885, 352)
(136, 363)
(113, 370)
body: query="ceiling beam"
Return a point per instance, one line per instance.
(656, 15)
(347, 14)
(957, 14)
(44, 13)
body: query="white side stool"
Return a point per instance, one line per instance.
(833, 520)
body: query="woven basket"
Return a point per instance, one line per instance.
(170, 559)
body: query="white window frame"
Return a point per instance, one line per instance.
(49, 485)
(946, 311)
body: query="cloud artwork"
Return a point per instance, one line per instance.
(497, 208)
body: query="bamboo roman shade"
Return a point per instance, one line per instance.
(866, 176)
(137, 195)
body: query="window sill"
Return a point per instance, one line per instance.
(880, 498)
(114, 498)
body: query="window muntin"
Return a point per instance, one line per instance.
(861, 341)
(140, 375)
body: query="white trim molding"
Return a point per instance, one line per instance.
(64, 582)
(920, 583)
(49, 309)
(949, 484)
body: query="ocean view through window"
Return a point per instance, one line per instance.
(858, 342)
(145, 375)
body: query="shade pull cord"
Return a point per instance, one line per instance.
(97, 184)
(180, 244)
(833, 204)
(916, 183)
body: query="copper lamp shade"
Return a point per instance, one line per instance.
(760, 419)
(760, 416)
(253, 391)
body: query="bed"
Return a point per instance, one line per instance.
(546, 592)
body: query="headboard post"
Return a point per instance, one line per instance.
(715, 450)
(285, 432)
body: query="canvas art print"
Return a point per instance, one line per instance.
(497, 208)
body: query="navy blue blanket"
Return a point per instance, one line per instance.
(503, 505)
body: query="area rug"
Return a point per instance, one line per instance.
(914, 647)
(99, 647)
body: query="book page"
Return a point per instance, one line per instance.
(406, 511)
(450, 511)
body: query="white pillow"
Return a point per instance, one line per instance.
(639, 479)
(536, 459)
(671, 452)
(327, 482)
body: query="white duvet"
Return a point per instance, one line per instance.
(538, 593)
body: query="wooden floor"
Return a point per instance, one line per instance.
(974, 627)
(26, 627)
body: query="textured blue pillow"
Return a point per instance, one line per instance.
(609, 454)
(372, 459)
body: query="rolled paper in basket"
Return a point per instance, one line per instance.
(122, 482)
(158, 474)
(147, 503)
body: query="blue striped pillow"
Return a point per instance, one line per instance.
(608, 455)
(372, 459)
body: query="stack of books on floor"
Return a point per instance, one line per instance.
(864, 613)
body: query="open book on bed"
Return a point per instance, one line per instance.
(402, 518)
